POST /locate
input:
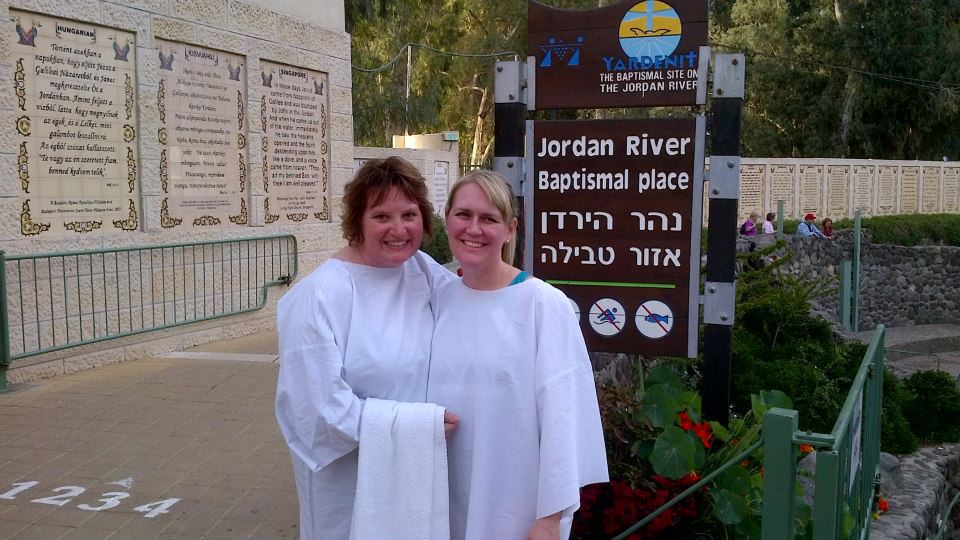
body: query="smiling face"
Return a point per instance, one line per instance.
(392, 231)
(477, 230)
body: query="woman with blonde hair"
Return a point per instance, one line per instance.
(509, 357)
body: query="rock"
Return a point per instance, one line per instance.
(890, 476)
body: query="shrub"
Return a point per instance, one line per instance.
(438, 247)
(933, 408)
(657, 446)
(778, 346)
(895, 434)
(910, 229)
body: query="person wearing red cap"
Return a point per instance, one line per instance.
(808, 228)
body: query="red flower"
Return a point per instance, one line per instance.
(685, 422)
(883, 505)
(704, 432)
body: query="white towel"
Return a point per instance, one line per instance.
(402, 491)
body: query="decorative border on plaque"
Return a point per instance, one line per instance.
(323, 119)
(206, 221)
(164, 174)
(298, 217)
(128, 92)
(266, 175)
(241, 141)
(326, 175)
(162, 136)
(325, 213)
(161, 95)
(241, 218)
(166, 221)
(23, 126)
(23, 168)
(131, 169)
(264, 144)
(129, 224)
(267, 216)
(129, 134)
(83, 226)
(243, 173)
(19, 85)
(27, 226)
(263, 114)
(239, 109)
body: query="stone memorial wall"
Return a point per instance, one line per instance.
(837, 188)
(157, 123)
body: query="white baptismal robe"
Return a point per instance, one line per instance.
(347, 332)
(513, 365)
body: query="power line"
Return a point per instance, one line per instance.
(910, 81)
(919, 83)
(435, 51)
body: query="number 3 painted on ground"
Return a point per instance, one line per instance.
(109, 501)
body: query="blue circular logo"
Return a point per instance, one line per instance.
(650, 28)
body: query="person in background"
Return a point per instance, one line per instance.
(358, 326)
(826, 227)
(807, 228)
(749, 227)
(509, 357)
(768, 227)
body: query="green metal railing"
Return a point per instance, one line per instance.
(56, 301)
(847, 461)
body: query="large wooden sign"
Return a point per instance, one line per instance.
(202, 101)
(629, 54)
(75, 131)
(616, 226)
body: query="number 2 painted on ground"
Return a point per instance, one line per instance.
(60, 500)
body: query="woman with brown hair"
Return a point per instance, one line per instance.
(358, 326)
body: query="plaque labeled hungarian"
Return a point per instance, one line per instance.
(76, 126)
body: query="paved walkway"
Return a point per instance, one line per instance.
(182, 446)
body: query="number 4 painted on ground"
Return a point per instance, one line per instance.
(156, 508)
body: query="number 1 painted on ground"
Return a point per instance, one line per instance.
(21, 486)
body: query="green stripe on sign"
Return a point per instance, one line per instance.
(613, 284)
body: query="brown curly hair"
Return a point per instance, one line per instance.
(370, 187)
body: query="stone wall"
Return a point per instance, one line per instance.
(919, 494)
(899, 286)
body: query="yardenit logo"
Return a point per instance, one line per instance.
(650, 29)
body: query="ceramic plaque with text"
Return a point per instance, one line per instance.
(203, 171)
(76, 126)
(295, 123)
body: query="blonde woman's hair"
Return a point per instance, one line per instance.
(496, 188)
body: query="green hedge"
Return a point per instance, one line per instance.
(910, 229)
(902, 230)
